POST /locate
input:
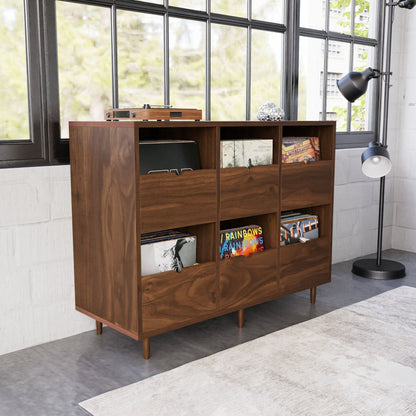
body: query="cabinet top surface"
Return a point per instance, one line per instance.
(173, 124)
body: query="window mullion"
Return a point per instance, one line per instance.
(114, 57)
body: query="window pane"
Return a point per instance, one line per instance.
(266, 69)
(340, 16)
(14, 121)
(153, 1)
(268, 10)
(312, 14)
(187, 63)
(366, 17)
(361, 108)
(231, 7)
(338, 64)
(311, 66)
(84, 60)
(189, 4)
(140, 59)
(228, 73)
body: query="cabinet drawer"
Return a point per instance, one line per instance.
(304, 265)
(246, 281)
(248, 192)
(305, 185)
(171, 300)
(168, 200)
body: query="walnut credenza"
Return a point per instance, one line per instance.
(112, 205)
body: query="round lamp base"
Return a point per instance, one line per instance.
(387, 270)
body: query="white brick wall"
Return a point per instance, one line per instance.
(403, 133)
(36, 280)
(356, 199)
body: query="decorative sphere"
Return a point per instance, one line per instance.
(270, 112)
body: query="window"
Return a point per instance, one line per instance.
(336, 37)
(75, 59)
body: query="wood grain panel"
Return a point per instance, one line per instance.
(248, 280)
(305, 185)
(170, 201)
(304, 265)
(171, 300)
(104, 223)
(248, 192)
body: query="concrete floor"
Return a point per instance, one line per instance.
(51, 379)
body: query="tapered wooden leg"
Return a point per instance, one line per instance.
(146, 348)
(241, 318)
(313, 295)
(99, 326)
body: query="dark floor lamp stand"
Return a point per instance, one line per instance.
(380, 268)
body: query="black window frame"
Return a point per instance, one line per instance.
(46, 146)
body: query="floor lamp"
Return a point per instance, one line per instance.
(375, 159)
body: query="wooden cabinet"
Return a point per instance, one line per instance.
(112, 205)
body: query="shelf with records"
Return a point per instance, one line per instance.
(172, 296)
(308, 264)
(249, 146)
(249, 162)
(176, 250)
(248, 261)
(177, 176)
(322, 146)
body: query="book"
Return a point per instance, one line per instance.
(245, 153)
(298, 228)
(300, 149)
(156, 156)
(241, 241)
(172, 251)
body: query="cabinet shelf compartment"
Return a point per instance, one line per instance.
(172, 300)
(326, 134)
(303, 266)
(247, 281)
(254, 133)
(205, 137)
(304, 185)
(256, 190)
(168, 200)
(268, 222)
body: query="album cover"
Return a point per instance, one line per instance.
(169, 254)
(300, 149)
(247, 153)
(241, 241)
(177, 156)
(298, 228)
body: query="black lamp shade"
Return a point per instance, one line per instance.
(354, 84)
(375, 161)
(408, 4)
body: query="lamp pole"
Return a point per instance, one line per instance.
(382, 269)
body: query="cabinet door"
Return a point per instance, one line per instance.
(247, 281)
(171, 300)
(303, 266)
(170, 201)
(306, 185)
(247, 192)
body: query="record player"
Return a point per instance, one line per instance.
(153, 112)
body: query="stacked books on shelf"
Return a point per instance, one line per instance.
(300, 149)
(241, 241)
(298, 228)
(156, 156)
(245, 153)
(167, 250)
